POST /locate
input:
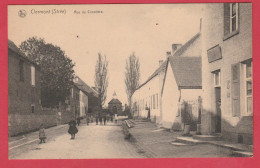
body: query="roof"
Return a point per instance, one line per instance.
(187, 45)
(85, 88)
(15, 49)
(156, 72)
(114, 101)
(187, 71)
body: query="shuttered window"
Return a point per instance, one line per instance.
(235, 70)
(231, 19)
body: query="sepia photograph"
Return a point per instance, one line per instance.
(102, 81)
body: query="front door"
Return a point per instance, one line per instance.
(218, 109)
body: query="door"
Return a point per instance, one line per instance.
(218, 109)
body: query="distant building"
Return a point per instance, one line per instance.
(115, 106)
(227, 71)
(85, 98)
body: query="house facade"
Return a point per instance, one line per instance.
(227, 71)
(181, 92)
(148, 95)
(115, 106)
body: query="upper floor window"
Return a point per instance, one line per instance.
(33, 75)
(230, 19)
(217, 78)
(233, 17)
(21, 70)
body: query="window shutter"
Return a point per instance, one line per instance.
(226, 18)
(235, 89)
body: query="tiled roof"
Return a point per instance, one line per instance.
(186, 45)
(84, 87)
(187, 71)
(114, 101)
(156, 72)
(15, 49)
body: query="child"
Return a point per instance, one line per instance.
(42, 136)
(72, 129)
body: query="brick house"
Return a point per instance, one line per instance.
(227, 71)
(24, 90)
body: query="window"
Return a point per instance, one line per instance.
(154, 101)
(33, 108)
(33, 75)
(157, 100)
(231, 19)
(21, 70)
(235, 89)
(248, 84)
(217, 78)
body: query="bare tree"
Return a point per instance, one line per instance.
(101, 78)
(132, 77)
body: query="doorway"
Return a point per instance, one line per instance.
(218, 109)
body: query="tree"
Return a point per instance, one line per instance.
(101, 79)
(132, 77)
(56, 70)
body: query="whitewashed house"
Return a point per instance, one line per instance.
(182, 84)
(148, 95)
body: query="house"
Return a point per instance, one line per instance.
(182, 86)
(148, 95)
(115, 105)
(24, 90)
(83, 98)
(227, 71)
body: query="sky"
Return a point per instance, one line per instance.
(114, 30)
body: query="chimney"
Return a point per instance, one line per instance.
(168, 53)
(160, 62)
(175, 47)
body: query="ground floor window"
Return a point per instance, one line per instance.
(248, 86)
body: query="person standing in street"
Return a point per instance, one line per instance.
(104, 118)
(42, 136)
(100, 118)
(97, 119)
(116, 118)
(72, 129)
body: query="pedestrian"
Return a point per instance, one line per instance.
(88, 118)
(96, 119)
(78, 121)
(104, 119)
(116, 118)
(100, 119)
(42, 136)
(72, 129)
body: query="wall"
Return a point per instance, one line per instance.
(21, 94)
(234, 50)
(142, 97)
(170, 99)
(21, 122)
(194, 50)
(83, 98)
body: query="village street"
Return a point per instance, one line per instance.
(99, 141)
(92, 141)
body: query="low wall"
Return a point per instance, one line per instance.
(23, 123)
